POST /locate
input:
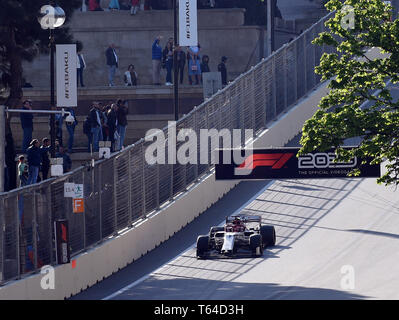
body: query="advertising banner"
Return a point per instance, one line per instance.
(67, 92)
(283, 163)
(188, 28)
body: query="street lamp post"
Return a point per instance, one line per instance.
(52, 17)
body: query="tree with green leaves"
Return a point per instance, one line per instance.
(356, 79)
(22, 38)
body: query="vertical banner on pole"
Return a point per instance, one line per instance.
(67, 95)
(188, 26)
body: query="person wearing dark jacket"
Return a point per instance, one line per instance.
(45, 160)
(223, 70)
(27, 125)
(34, 159)
(112, 63)
(121, 114)
(96, 125)
(205, 65)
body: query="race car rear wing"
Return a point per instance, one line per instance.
(244, 218)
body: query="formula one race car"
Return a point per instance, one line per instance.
(240, 231)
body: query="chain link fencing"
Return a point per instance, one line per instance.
(123, 189)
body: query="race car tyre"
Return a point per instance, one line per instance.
(202, 246)
(255, 244)
(214, 230)
(268, 234)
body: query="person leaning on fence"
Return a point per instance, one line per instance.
(34, 159)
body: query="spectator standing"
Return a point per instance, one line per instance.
(194, 67)
(67, 163)
(95, 121)
(167, 56)
(223, 70)
(135, 7)
(130, 76)
(121, 114)
(112, 62)
(80, 66)
(114, 5)
(104, 121)
(45, 160)
(156, 61)
(112, 123)
(205, 65)
(34, 158)
(87, 132)
(181, 62)
(22, 171)
(71, 129)
(94, 5)
(27, 125)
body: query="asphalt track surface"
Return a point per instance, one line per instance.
(336, 239)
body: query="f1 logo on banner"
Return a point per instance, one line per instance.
(283, 163)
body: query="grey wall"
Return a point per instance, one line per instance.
(221, 32)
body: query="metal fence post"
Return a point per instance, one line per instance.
(130, 189)
(84, 215)
(143, 179)
(195, 115)
(34, 230)
(157, 187)
(115, 197)
(295, 45)
(50, 223)
(18, 233)
(253, 111)
(285, 70)
(274, 87)
(100, 189)
(305, 66)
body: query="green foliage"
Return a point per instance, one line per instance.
(354, 77)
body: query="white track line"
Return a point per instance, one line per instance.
(143, 278)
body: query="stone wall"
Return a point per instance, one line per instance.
(221, 32)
